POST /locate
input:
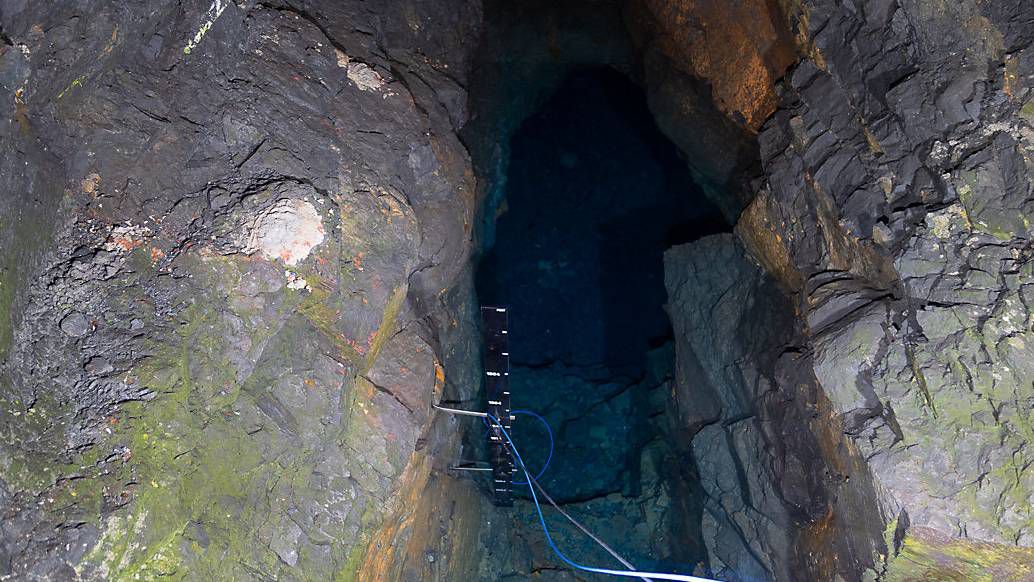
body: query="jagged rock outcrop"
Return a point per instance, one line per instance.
(784, 498)
(894, 208)
(614, 468)
(897, 176)
(232, 274)
(729, 320)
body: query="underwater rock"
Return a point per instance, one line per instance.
(895, 202)
(75, 324)
(235, 243)
(200, 197)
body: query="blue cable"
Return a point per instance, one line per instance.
(549, 431)
(548, 457)
(556, 550)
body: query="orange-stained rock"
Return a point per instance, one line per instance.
(762, 231)
(740, 47)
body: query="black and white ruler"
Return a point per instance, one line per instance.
(497, 390)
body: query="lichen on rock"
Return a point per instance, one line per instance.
(185, 315)
(235, 271)
(288, 231)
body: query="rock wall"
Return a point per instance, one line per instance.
(613, 468)
(893, 210)
(785, 498)
(894, 207)
(711, 71)
(233, 280)
(234, 243)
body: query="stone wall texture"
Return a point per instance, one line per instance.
(895, 209)
(235, 271)
(233, 276)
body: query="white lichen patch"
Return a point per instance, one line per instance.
(947, 221)
(295, 282)
(109, 556)
(214, 11)
(288, 231)
(342, 58)
(364, 76)
(126, 237)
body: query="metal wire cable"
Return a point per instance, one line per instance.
(600, 542)
(463, 412)
(542, 520)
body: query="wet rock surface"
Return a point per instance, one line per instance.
(750, 416)
(222, 222)
(613, 468)
(897, 179)
(234, 273)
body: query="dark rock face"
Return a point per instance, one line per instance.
(750, 415)
(897, 179)
(227, 228)
(234, 274)
(726, 315)
(595, 193)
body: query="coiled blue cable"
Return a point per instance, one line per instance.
(549, 457)
(549, 431)
(556, 550)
